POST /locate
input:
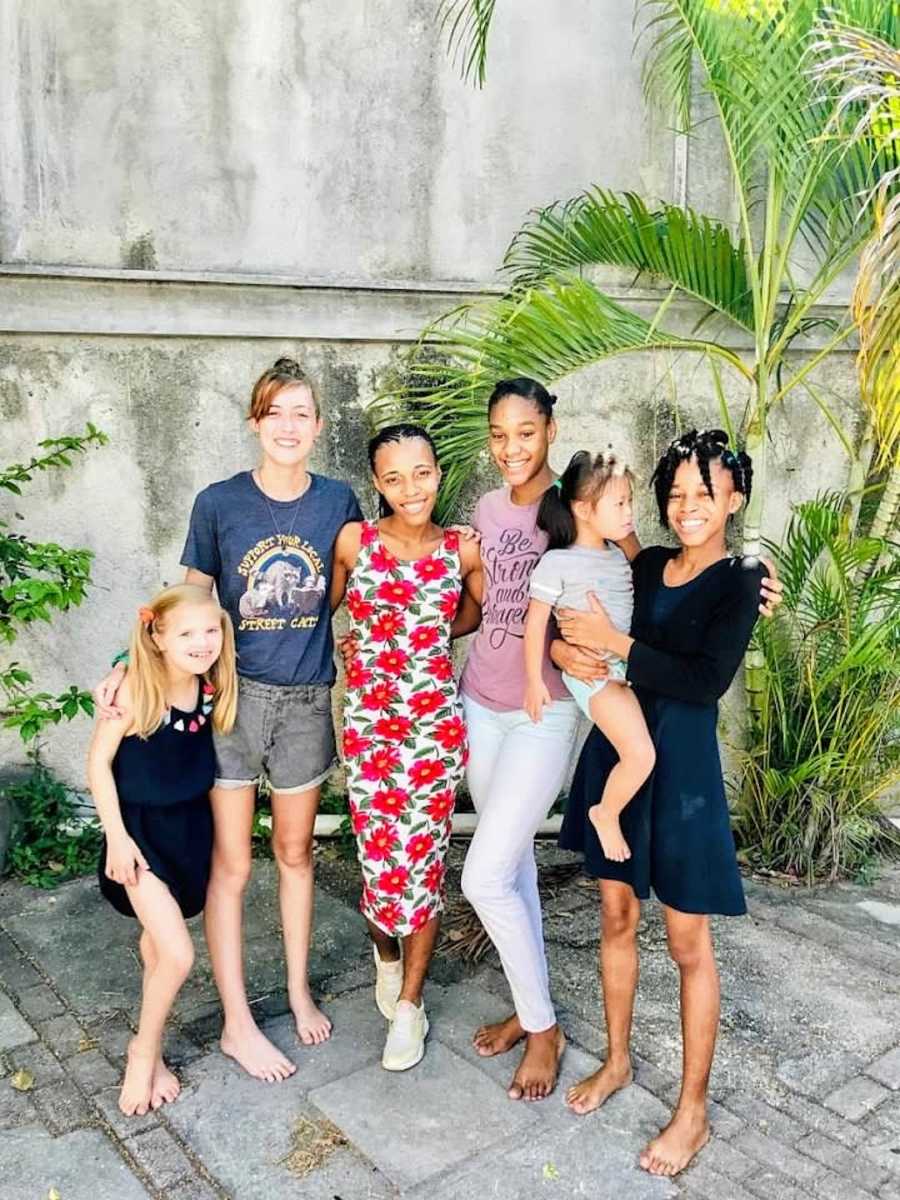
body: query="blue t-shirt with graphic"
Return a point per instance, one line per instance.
(272, 562)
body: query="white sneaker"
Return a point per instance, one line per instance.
(405, 1043)
(388, 985)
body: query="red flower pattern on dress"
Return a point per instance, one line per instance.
(393, 729)
(388, 916)
(396, 591)
(358, 675)
(430, 568)
(434, 876)
(420, 918)
(382, 560)
(390, 801)
(381, 764)
(427, 771)
(440, 667)
(382, 842)
(392, 662)
(386, 626)
(358, 608)
(393, 882)
(441, 805)
(380, 697)
(425, 637)
(353, 743)
(449, 604)
(408, 710)
(419, 847)
(427, 702)
(451, 732)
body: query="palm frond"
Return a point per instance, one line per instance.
(545, 332)
(467, 24)
(678, 245)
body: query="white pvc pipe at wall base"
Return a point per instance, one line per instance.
(328, 825)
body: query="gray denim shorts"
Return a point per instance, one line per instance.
(283, 733)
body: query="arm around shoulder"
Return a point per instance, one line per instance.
(346, 552)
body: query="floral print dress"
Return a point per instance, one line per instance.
(404, 739)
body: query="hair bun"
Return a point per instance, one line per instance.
(286, 365)
(553, 399)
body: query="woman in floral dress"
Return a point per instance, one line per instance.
(404, 737)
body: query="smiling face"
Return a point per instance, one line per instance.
(610, 516)
(190, 637)
(290, 426)
(520, 438)
(408, 477)
(695, 516)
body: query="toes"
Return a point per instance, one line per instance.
(514, 1091)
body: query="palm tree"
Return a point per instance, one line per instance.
(796, 181)
(865, 73)
(797, 185)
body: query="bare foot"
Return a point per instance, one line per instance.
(165, 1085)
(684, 1137)
(536, 1076)
(252, 1050)
(137, 1086)
(313, 1026)
(609, 832)
(498, 1037)
(594, 1091)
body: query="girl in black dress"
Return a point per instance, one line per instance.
(150, 772)
(695, 608)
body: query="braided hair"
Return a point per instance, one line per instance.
(706, 446)
(390, 435)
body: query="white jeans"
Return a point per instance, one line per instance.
(515, 772)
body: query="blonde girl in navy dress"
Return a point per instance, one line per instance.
(150, 773)
(695, 608)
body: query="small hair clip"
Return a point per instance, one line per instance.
(146, 615)
(557, 483)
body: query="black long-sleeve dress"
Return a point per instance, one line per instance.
(689, 642)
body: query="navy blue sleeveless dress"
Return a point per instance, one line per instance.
(163, 783)
(689, 643)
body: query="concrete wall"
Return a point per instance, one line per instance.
(192, 188)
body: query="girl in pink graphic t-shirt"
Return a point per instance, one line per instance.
(516, 767)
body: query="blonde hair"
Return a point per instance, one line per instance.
(284, 373)
(147, 670)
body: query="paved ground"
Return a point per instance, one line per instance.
(807, 1079)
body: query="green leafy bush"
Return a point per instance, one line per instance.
(51, 844)
(825, 750)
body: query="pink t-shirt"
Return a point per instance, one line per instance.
(511, 544)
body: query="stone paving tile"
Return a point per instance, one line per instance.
(556, 1162)
(857, 1098)
(161, 1157)
(63, 1107)
(64, 1035)
(814, 1117)
(194, 1189)
(107, 1102)
(770, 1185)
(16, 973)
(726, 1159)
(251, 1158)
(92, 1071)
(887, 1069)
(778, 1157)
(763, 1116)
(399, 1120)
(817, 1075)
(15, 1108)
(14, 1029)
(81, 1166)
(852, 1166)
(39, 1003)
(702, 1181)
(112, 1034)
(39, 1061)
(831, 1186)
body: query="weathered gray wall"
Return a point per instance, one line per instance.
(192, 187)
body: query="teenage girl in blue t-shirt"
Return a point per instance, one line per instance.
(265, 540)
